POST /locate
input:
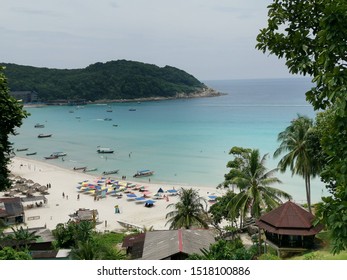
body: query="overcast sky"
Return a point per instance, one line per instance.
(210, 39)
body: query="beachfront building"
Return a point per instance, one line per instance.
(11, 210)
(168, 244)
(26, 96)
(289, 228)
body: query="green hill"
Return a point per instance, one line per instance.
(112, 80)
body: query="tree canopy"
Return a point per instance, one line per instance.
(311, 36)
(11, 116)
(112, 80)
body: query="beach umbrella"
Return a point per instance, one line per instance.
(173, 191)
(160, 190)
(149, 201)
(212, 197)
(131, 195)
(141, 198)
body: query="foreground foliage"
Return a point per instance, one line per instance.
(11, 116)
(311, 37)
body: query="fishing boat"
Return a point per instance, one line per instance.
(51, 157)
(31, 154)
(83, 168)
(105, 150)
(110, 172)
(132, 109)
(90, 170)
(21, 150)
(38, 125)
(44, 135)
(59, 154)
(143, 173)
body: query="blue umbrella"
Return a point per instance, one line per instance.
(212, 197)
(150, 201)
(140, 198)
(131, 195)
(172, 191)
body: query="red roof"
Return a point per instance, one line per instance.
(289, 219)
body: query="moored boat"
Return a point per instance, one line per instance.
(44, 135)
(38, 125)
(143, 173)
(51, 157)
(59, 154)
(21, 150)
(83, 168)
(105, 150)
(31, 154)
(110, 172)
(90, 170)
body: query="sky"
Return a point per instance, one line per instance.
(210, 39)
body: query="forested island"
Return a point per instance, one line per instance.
(119, 80)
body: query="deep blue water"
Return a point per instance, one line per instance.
(183, 141)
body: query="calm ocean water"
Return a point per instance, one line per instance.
(183, 141)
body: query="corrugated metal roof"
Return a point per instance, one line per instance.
(13, 207)
(165, 243)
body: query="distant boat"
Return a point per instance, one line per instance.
(31, 154)
(132, 109)
(59, 154)
(107, 119)
(109, 110)
(110, 172)
(83, 168)
(38, 125)
(143, 173)
(51, 157)
(44, 135)
(90, 170)
(105, 150)
(115, 125)
(21, 150)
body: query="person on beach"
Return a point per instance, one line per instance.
(63, 195)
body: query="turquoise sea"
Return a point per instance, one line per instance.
(186, 141)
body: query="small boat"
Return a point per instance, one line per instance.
(31, 154)
(21, 150)
(44, 135)
(59, 154)
(105, 150)
(83, 168)
(38, 125)
(51, 157)
(132, 109)
(107, 119)
(90, 170)
(115, 125)
(143, 173)
(110, 172)
(109, 110)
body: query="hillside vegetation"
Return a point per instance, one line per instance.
(112, 80)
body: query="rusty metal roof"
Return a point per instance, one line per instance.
(289, 219)
(162, 244)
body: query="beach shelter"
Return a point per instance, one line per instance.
(149, 203)
(160, 190)
(172, 191)
(140, 199)
(131, 195)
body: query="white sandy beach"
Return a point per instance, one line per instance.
(58, 209)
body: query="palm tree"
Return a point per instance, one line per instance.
(189, 211)
(251, 177)
(22, 237)
(296, 143)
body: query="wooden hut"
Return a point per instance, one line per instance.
(289, 228)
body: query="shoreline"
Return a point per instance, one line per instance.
(58, 208)
(203, 93)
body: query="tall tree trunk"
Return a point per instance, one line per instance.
(308, 192)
